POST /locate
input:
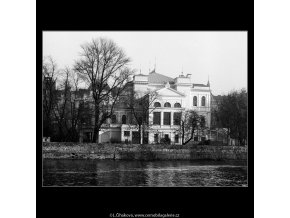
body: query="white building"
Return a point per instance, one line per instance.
(174, 96)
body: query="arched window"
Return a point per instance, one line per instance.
(177, 105)
(194, 101)
(124, 119)
(114, 118)
(157, 104)
(167, 104)
(203, 101)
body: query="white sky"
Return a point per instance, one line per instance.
(220, 55)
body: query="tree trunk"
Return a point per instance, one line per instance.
(183, 134)
(96, 135)
(228, 136)
(96, 126)
(143, 135)
(191, 137)
(140, 136)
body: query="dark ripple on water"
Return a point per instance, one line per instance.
(138, 173)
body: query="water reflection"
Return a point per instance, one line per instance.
(143, 173)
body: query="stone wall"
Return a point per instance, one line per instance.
(141, 152)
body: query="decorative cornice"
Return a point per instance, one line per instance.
(183, 84)
(200, 90)
(141, 82)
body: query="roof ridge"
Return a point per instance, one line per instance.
(159, 78)
(163, 75)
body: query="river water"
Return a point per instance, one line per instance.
(64, 172)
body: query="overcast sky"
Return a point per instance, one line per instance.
(221, 56)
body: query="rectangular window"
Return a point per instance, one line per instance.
(156, 118)
(156, 138)
(126, 133)
(176, 138)
(176, 118)
(166, 118)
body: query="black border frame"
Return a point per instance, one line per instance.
(188, 202)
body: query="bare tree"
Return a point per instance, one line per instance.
(62, 109)
(67, 110)
(104, 68)
(49, 79)
(141, 105)
(190, 121)
(76, 108)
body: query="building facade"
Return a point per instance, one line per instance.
(173, 96)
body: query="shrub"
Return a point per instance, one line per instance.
(165, 141)
(115, 140)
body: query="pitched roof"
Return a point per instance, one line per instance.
(158, 78)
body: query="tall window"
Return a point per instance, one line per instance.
(167, 104)
(114, 118)
(176, 138)
(124, 119)
(177, 105)
(156, 118)
(157, 104)
(194, 101)
(176, 118)
(203, 101)
(166, 118)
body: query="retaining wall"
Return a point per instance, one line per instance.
(141, 152)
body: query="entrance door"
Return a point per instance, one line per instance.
(135, 137)
(156, 138)
(145, 138)
(166, 139)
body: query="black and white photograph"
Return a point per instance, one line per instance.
(144, 109)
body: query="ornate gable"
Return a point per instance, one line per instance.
(169, 92)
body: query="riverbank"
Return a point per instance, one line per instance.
(56, 150)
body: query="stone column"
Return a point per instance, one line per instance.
(172, 138)
(150, 137)
(171, 118)
(141, 135)
(161, 118)
(131, 137)
(208, 100)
